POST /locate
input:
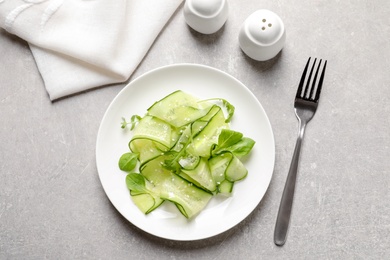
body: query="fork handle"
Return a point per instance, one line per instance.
(283, 218)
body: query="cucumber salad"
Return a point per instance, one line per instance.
(183, 151)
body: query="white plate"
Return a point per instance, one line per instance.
(250, 118)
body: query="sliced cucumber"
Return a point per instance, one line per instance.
(146, 202)
(226, 167)
(188, 198)
(143, 193)
(226, 187)
(203, 142)
(235, 170)
(154, 129)
(178, 109)
(186, 153)
(189, 162)
(185, 136)
(146, 149)
(200, 176)
(218, 166)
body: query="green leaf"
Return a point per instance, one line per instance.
(136, 183)
(234, 142)
(133, 121)
(124, 123)
(128, 161)
(228, 138)
(243, 147)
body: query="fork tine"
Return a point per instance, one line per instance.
(313, 85)
(300, 86)
(308, 79)
(317, 97)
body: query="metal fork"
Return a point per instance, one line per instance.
(305, 106)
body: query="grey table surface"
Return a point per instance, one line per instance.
(52, 204)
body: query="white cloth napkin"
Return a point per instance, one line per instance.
(83, 44)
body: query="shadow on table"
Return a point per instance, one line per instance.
(207, 39)
(262, 66)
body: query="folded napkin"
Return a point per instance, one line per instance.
(83, 44)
